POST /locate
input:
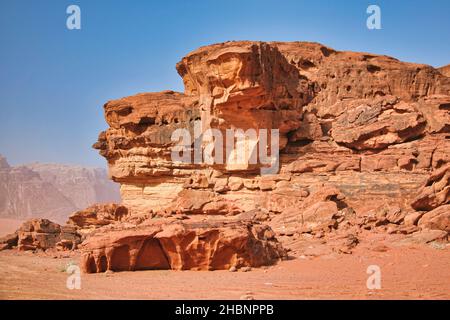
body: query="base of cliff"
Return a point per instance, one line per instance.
(181, 245)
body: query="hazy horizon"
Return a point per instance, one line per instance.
(54, 81)
(105, 167)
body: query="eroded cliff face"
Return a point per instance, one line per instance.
(179, 245)
(372, 126)
(363, 146)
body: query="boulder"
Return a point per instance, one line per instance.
(43, 234)
(9, 241)
(181, 246)
(436, 190)
(98, 215)
(436, 219)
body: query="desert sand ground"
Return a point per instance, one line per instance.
(415, 272)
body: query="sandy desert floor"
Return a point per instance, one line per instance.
(416, 272)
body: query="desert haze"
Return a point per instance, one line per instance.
(50, 190)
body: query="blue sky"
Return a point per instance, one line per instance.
(54, 81)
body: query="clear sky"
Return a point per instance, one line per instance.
(54, 81)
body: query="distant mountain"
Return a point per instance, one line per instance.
(52, 191)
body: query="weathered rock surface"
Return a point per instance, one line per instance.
(43, 234)
(445, 70)
(364, 147)
(181, 246)
(372, 126)
(98, 215)
(436, 191)
(437, 219)
(9, 241)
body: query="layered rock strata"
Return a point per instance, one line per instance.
(364, 145)
(372, 126)
(41, 234)
(181, 246)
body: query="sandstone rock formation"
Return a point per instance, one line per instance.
(363, 143)
(437, 219)
(98, 215)
(445, 70)
(9, 241)
(41, 234)
(51, 191)
(371, 126)
(364, 146)
(436, 191)
(435, 196)
(181, 246)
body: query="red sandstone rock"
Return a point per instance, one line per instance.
(412, 218)
(98, 215)
(326, 104)
(360, 135)
(436, 190)
(43, 234)
(445, 70)
(9, 241)
(437, 219)
(181, 246)
(424, 236)
(318, 212)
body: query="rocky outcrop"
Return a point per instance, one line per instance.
(362, 137)
(372, 126)
(434, 197)
(98, 215)
(9, 241)
(41, 234)
(51, 191)
(436, 191)
(437, 219)
(445, 70)
(181, 246)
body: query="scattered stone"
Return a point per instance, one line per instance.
(42, 234)
(424, 236)
(412, 218)
(436, 190)
(380, 248)
(232, 269)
